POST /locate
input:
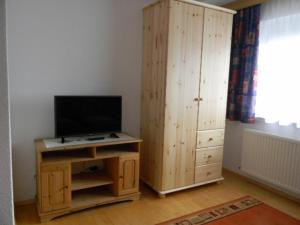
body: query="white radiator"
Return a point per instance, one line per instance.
(273, 160)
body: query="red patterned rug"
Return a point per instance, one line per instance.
(243, 211)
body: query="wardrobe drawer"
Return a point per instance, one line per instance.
(210, 138)
(208, 172)
(209, 155)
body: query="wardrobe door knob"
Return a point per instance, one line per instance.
(198, 99)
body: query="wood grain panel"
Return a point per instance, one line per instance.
(156, 19)
(129, 175)
(210, 155)
(210, 138)
(183, 77)
(198, 3)
(215, 69)
(56, 186)
(208, 172)
(45, 192)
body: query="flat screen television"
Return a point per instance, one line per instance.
(87, 115)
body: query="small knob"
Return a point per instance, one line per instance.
(198, 99)
(209, 156)
(210, 139)
(64, 187)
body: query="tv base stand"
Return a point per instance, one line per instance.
(114, 135)
(62, 189)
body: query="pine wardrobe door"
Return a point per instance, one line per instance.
(182, 91)
(214, 69)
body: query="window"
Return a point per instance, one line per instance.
(278, 91)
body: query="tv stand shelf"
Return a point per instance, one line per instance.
(62, 191)
(89, 180)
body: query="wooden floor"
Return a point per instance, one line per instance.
(151, 210)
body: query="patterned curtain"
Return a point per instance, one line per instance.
(243, 65)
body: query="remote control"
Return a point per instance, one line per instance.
(95, 138)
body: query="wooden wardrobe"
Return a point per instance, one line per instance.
(185, 78)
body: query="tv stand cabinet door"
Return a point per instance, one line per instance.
(128, 174)
(55, 187)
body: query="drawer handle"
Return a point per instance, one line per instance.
(210, 139)
(208, 173)
(210, 156)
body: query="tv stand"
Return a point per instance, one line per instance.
(62, 189)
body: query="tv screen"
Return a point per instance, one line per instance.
(87, 115)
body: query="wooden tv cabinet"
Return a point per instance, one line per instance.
(60, 190)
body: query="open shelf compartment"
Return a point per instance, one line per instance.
(88, 153)
(89, 180)
(92, 196)
(74, 155)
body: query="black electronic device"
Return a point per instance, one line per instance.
(95, 138)
(87, 115)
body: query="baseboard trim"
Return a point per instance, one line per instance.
(265, 186)
(25, 202)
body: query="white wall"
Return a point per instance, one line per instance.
(68, 47)
(234, 139)
(129, 60)
(6, 196)
(54, 48)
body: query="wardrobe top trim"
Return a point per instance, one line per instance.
(193, 2)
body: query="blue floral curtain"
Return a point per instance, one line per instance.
(243, 66)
